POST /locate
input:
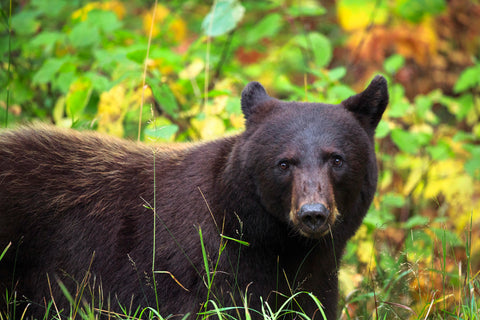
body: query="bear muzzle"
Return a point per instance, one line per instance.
(315, 219)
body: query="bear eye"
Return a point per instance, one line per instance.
(284, 165)
(337, 161)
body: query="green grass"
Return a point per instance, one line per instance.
(385, 294)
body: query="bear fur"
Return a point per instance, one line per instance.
(78, 210)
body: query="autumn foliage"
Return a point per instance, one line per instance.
(173, 71)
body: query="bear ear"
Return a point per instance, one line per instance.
(252, 95)
(369, 105)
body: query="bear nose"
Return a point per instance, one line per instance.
(313, 215)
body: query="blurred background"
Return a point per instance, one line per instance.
(173, 71)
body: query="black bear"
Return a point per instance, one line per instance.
(244, 220)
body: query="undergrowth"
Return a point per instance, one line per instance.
(405, 262)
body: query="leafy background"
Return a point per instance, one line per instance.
(174, 70)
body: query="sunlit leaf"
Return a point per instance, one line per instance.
(78, 96)
(161, 13)
(406, 141)
(358, 14)
(383, 129)
(418, 245)
(469, 78)
(336, 74)
(472, 166)
(306, 8)
(441, 151)
(161, 129)
(209, 126)
(416, 221)
(415, 10)
(223, 17)
(164, 96)
(192, 70)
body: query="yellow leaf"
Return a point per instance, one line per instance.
(237, 121)
(178, 29)
(218, 105)
(349, 279)
(448, 178)
(358, 14)
(193, 69)
(365, 253)
(117, 7)
(111, 111)
(161, 13)
(209, 128)
(418, 167)
(83, 12)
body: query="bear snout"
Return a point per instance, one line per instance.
(314, 216)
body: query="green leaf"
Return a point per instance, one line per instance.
(423, 104)
(440, 151)
(340, 93)
(84, 34)
(137, 56)
(399, 109)
(78, 97)
(59, 110)
(318, 46)
(393, 200)
(405, 141)
(106, 21)
(50, 8)
(64, 80)
(223, 17)
(382, 129)
(465, 104)
(306, 9)
(416, 221)
(469, 78)
(415, 10)
(378, 218)
(418, 244)
(268, 27)
(48, 70)
(161, 129)
(394, 63)
(337, 73)
(100, 82)
(399, 105)
(472, 166)
(447, 236)
(47, 39)
(164, 96)
(25, 22)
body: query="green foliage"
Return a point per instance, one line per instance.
(223, 17)
(85, 65)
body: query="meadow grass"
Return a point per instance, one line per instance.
(383, 295)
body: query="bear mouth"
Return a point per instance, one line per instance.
(315, 233)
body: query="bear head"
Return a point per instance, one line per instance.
(312, 165)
